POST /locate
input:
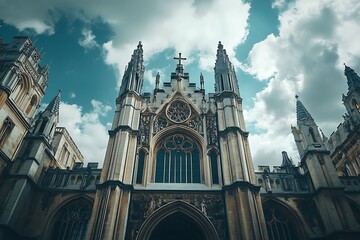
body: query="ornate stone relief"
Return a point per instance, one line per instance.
(160, 123)
(178, 111)
(144, 130)
(211, 130)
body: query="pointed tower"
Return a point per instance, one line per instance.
(241, 195)
(352, 98)
(134, 73)
(225, 77)
(34, 152)
(316, 163)
(22, 86)
(45, 121)
(112, 201)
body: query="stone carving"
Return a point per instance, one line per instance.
(196, 124)
(143, 138)
(203, 207)
(151, 208)
(178, 111)
(160, 124)
(211, 130)
(267, 181)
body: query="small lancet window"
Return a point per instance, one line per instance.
(214, 167)
(140, 168)
(222, 83)
(31, 105)
(5, 130)
(312, 135)
(355, 104)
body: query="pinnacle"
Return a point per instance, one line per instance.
(302, 113)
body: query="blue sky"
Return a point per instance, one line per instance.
(279, 48)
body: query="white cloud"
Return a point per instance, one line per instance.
(315, 37)
(72, 95)
(89, 134)
(88, 39)
(192, 27)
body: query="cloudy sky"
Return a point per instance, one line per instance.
(279, 48)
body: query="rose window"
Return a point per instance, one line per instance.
(178, 111)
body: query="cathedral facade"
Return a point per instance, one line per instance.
(177, 166)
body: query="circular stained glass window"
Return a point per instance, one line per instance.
(178, 111)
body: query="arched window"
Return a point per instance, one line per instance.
(281, 223)
(72, 222)
(5, 130)
(177, 161)
(355, 104)
(222, 83)
(312, 134)
(140, 168)
(31, 105)
(214, 167)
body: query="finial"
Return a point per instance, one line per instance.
(157, 80)
(220, 45)
(201, 81)
(139, 45)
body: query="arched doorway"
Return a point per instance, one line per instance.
(177, 226)
(177, 220)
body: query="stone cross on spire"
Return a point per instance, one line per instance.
(179, 58)
(179, 67)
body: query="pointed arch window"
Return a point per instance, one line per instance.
(5, 130)
(214, 167)
(177, 161)
(32, 105)
(222, 83)
(281, 223)
(140, 168)
(312, 134)
(355, 104)
(72, 222)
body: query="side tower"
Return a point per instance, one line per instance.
(352, 98)
(35, 153)
(315, 160)
(22, 86)
(243, 204)
(112, 200)
(344, 143)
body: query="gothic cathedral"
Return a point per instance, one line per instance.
(177, 165)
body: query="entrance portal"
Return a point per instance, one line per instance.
(177, 220)
(177, 226)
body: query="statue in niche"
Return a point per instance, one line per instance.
(203, 207)
(151, 208)
(267, 181)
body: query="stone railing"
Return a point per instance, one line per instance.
(71, 179)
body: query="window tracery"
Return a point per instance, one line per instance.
(72, 222)
(178, 111)
(279, 225)
(177, 161)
